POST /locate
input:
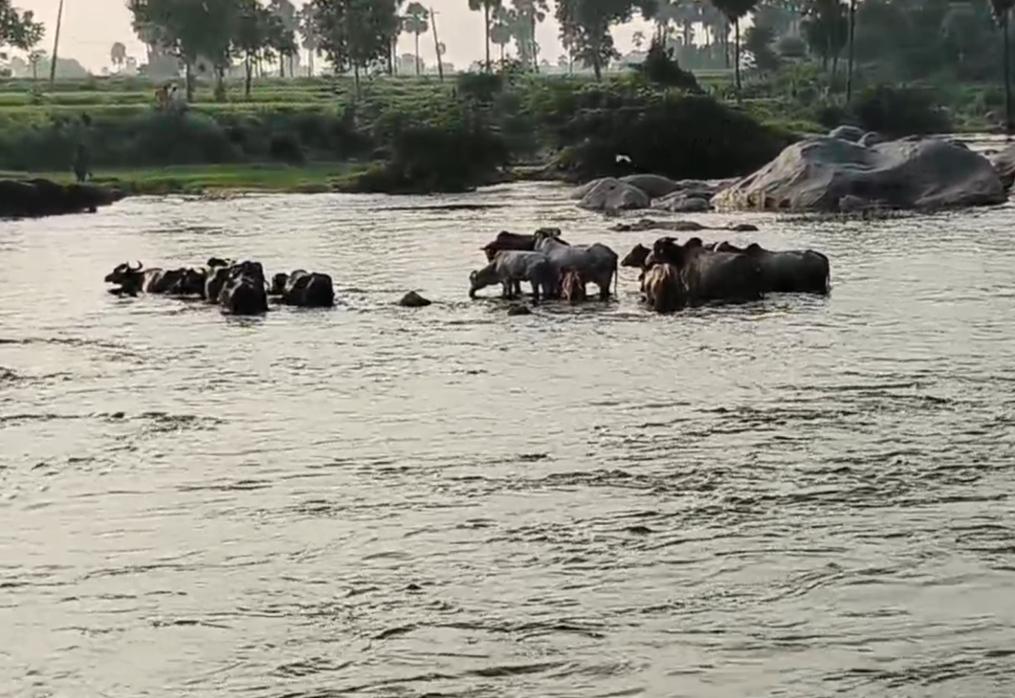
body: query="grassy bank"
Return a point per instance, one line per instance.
(212, 179)
(422, 134)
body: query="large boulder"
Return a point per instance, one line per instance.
(34, 198)
(609, 194)
(1004, 165)
(817, 174)
(655, 186)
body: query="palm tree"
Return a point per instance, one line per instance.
(734, 10)
(487, 6)
(416, 22)
(500, 31)
(849, 55)
(309, 33)
(118, 55)
(1002, 10)
(527, 14)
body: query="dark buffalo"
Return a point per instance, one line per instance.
(244, 291)
(636, 257)
(787, 271)
(135, 280)
(709, 275)
(304, 289)
(664, 288)
(215, 278)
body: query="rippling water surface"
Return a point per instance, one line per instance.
(802, 497)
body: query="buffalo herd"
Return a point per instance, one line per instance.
(239, 288)
(672, 275)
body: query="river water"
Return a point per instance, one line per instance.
(801, 497)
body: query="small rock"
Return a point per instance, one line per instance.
(871, 138)
(519, 310)
(847, 133)
(414, 300)
(743, 227)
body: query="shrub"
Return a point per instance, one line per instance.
(899, 111)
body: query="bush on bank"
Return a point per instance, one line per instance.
(452, 140)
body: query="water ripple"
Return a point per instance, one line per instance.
(798, 497)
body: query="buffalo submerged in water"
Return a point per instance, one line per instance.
(239, 288)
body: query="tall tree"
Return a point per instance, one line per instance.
(250, 36)
(585, 24)
(19, 29)
(188, 29)
(527, 14)
(501, 30)
(416, 21)
(734, 10)
(309, 34)
(826, 29)
(283, 33)
(118, 55)
(487, 6)
(1002, 12)
(356, 33)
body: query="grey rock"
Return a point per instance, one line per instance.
(847, 133)
(825, 174)
(610, 194)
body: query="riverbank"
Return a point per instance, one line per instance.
(214, 179)
(266, 178)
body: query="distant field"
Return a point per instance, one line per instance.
(28, 98)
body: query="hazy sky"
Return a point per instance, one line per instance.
(91, 26)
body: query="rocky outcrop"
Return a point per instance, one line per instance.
(644, 224)
(645, 190)
(34, 198)
(1004, 165)
(826, 174)
(612, 195)
(847, 133)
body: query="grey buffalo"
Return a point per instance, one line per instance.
(304, 289)
(516, 241)
(636, 257)
(787, 271)
(511, 267)
(709, 275)
(595, 263)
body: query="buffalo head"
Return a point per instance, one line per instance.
(123, 273)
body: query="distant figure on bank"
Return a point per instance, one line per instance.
(82, 168)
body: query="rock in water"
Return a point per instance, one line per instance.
(871, 138)
(846, 133)
(1004, 165)
(34, 198)
(681, 202)
(655, 186)
(414, 300)
(519, 310)
(609, 194)
(816, 174)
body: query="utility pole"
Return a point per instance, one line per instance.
(436, 44)
(56, 45)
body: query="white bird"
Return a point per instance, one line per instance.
(623, 158)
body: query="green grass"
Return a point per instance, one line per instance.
(211, 179)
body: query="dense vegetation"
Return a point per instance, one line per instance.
(896, 66)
